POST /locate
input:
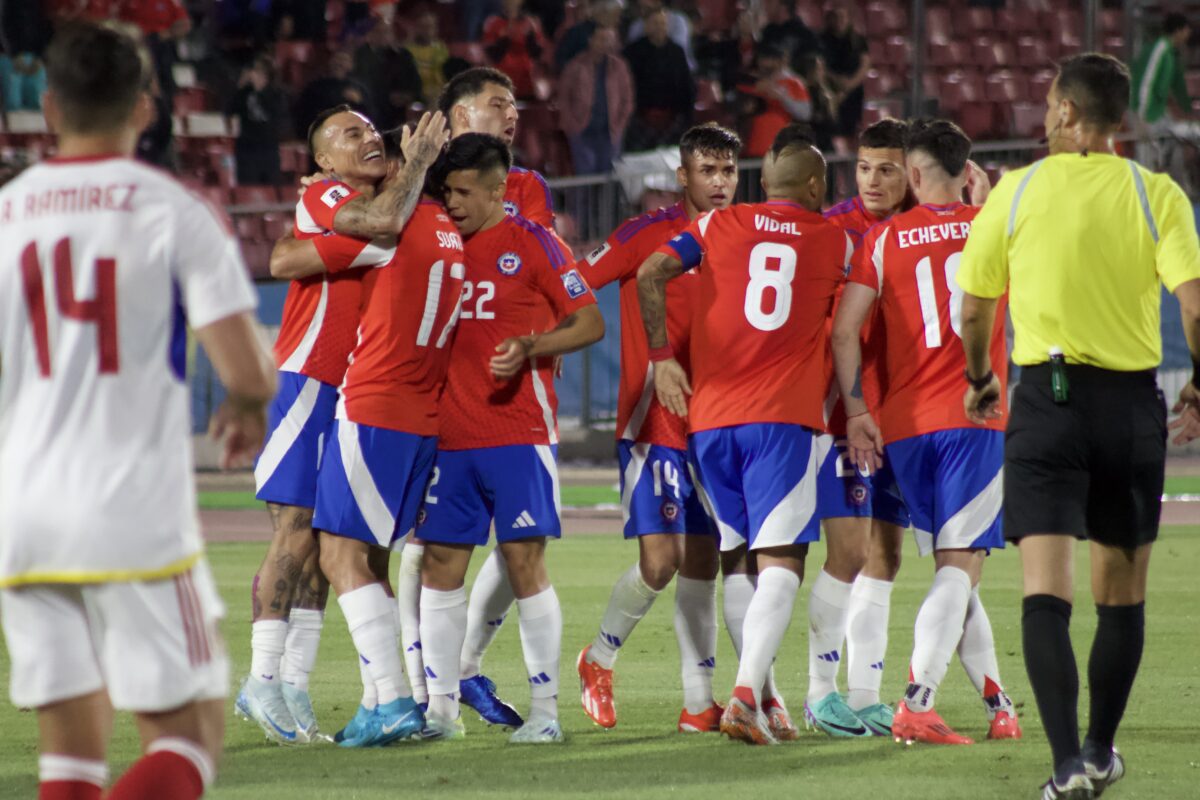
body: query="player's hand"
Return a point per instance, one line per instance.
(865, 442)
(423, 144)
(513, 354)
(979, 185)
(240, 429)
(308, 180)
(671, 385)
(983, 405)
(558, 366)
(1188, 421)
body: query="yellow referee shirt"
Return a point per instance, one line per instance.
(1081, 244)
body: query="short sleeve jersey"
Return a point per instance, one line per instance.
(320, 314)
(520, 279)
(911, 262)
(104, 264)
(760, 340)
(640, 417)
(398, 367)
(527, 195)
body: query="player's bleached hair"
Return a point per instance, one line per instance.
(1098, 85)
(477, 151)
(885, 134)
(467, 84)
(941, 140)
(709, 139)
(97, 71)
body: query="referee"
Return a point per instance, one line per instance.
(1081, 241)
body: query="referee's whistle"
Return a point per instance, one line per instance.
(1058, 376)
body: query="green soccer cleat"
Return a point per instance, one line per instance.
(831, 715)
(877, 718)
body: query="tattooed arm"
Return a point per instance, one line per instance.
(670, 380)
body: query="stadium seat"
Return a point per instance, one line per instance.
(188, 101)
(1039, 85)
(255, 195)
(1112, 21)
(899, 51)
(275, 225)
(1004, 87)
(206, 123)
(1114, 45)
(990, 54)
(257, 256)
(973, 21)
(937, 26)
(249, 227)
(1027, 120)
(1033, 53)
(880, 84)
(216, 195)
(878, 52)
(949, 54)
(884, 19)
(977, 120)
(25, 122)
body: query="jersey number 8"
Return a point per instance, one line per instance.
(763, 278)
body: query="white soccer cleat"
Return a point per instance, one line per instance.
(263, 702)
(538, 730)
(300, 705)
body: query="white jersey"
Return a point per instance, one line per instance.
(103, 263)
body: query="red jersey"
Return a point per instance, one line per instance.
(521, 279)
(640, 417)
(320, 314)
(854, 218)
(153, 16)
(767, 124)
(768, 274)
(527, 195)
(398, 368)
(911, 262)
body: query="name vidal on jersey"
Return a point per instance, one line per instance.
(769, 225)
(947, 231)
(74, 200)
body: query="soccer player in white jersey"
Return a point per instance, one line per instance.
(107, 600)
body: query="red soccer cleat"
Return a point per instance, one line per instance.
(926, 726)
(707, 721)
(779, 721)
(596, 692)
(742, 720)
(1005, 726)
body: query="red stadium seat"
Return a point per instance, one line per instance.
(255, 195)
(275, 225)
(708, 93)
(217, 195)
(899, 51)
(1039, 85)
(989, 54)
(1114, 45)
(1112, 21)
(937, 26)
(878, 52)
(1004, 87)
(884, 18)
(880, 84)
(1032, 53)
(249, 227)
(1027, 120)
(257, 256)
(972, 22)
(977, 120)
(949, 54)
(188, 101)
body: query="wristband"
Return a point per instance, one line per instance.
(979, 383)
(661, 353)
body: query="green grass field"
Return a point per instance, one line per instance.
(643, 757)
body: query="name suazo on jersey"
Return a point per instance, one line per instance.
(320, 314)
(398, 368)
(96, 476)
(768, 274)
(911, 262)
(640, 417)
(527, 195)
(520, 279)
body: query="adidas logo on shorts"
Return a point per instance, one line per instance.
(525, 521)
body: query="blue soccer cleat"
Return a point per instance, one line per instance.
(479, 693)
(355, 727)
(262, 702)
(877, 718)
(399, 719)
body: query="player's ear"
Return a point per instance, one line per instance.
(681, 177)
(144, 112)
(51, 111)
(914, 176)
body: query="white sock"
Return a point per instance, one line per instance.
(370, 615)
(739, 591)
(541, 640)
(370, 696)
(766, 623)
(300, 648)
(408, 601)
(631, 598)
(936, 635)
(53, 767)
(443, 623)
(268, 637)
(866, 639)
(977, 652)
(491, 598)
(696, 631)
(827, 612)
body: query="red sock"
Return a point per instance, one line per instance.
(746, 695)
(159, 776)
(68, 790)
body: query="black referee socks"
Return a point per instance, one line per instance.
(1050, 662)
(1116, 654)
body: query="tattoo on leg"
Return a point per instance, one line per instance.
(256, 608)
(289, 572)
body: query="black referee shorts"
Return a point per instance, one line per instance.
(1092, 467)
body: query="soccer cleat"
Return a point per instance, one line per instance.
(1004, 726)
(707, 721)
(300, 705)
(743, 722)
(263, 703)
(779, 721)
(479, 693)
(595, 690)
(877, 718)
(439, 730)
(399, 719)
(831, 715)
(538, 730)
(1103, 778)
(1077, 787)
(355, 726)
(926, 726)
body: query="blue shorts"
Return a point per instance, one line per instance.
(297, 429)
(371, 482)
(516, 485)
(886, 502)
(759, 483)
(842, 489)
(657, 495)
(952, 483)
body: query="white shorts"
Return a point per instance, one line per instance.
(154, 644)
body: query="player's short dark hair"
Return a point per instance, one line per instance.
(885, 134)
(943, 141)
(97, 71)
(478, 151)
(318, 125)
(469, 83)
(1098, 85)
(710, 139)
(798, 134)
(1173, 23)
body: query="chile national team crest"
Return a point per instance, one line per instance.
(511, 209)
(670, 510)
(509, 264)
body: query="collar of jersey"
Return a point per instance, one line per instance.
(85, 159)
(947, 207)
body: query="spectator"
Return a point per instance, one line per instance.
(725, 56)
(845, 51)
(665, 88)
(390, 74)
(1158, 78)
(22, 79)
(261, 108)
(603, 13)
(787, 32)
(824, 120)
(679, 27)
(24, 27)
(164, 22)
(772, 98)
(513, 41)
(595, 100)
(474, 12)
(332, 89)
(550, 13)
(429, 53)
(303, 20)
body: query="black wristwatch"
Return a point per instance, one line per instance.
(979, 383)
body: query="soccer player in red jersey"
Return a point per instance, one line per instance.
(334, 222)
(525, 303)
(768, 274)
(946, 469)
(661, 509)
